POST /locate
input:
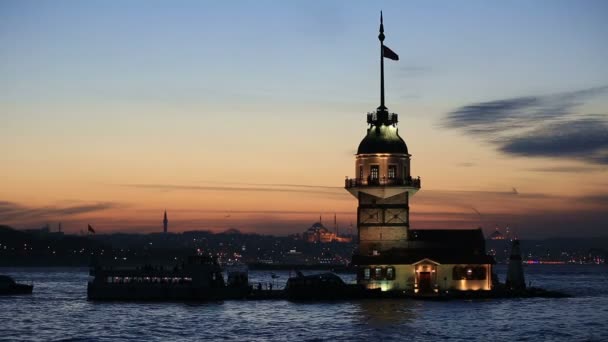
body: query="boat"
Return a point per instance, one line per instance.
(325, 286)
(199, 278)
(237, 275)
(8, 286)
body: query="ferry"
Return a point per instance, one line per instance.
(199, 278)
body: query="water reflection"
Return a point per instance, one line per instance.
(383, 313)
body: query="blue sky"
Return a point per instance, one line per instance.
(472, 50)
(106, 93)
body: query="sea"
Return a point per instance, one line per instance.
(58, 310)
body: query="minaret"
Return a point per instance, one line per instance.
(383, 184)
(336, 225)
(165, 223)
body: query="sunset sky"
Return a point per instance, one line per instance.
(247, 115)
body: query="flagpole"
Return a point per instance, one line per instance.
(381, 38)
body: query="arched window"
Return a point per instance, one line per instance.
(392, 171)
(374, 172)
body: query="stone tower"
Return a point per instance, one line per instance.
(383, 184)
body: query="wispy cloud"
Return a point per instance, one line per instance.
(538, 126)
(567, 169)
(598, 199)
(290, 188)
(292, 185)
(10, 211)
(534, 214)
(236, 213)
(572, 138)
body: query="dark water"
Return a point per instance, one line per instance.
(58, 311)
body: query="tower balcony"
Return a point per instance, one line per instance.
(382, 181)
(383, 187)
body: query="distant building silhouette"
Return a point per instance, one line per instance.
(497, 235)
(318, 233)
(44, 231)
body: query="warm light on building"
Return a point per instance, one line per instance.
(390, 255)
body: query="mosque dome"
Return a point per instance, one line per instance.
(318, 226)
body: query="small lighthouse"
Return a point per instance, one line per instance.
(165, 223)
(515, 272)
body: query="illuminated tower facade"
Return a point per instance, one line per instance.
(383, 184)
(390, 255)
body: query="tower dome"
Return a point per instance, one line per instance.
(382, 138)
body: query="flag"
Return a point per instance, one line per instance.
(91, 230)
(388, 53)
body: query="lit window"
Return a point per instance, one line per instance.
(390, 273)
(366, 273)
(378, 273)
(469, 273)
(374, 172)
(392, 171)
